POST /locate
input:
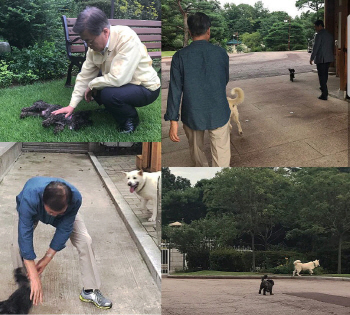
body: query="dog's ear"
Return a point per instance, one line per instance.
(140, 172)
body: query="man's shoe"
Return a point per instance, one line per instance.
(322, 97)
(129, 125)
(97, 298)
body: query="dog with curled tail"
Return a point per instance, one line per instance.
(233, 102)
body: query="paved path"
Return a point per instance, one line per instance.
(257, 65)
(283, 122)
(232, 296)
(113, 166)
(126, 279)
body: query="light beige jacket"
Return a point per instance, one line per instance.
(125, 61)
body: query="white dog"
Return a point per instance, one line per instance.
(144, 185)
(299, 266)
(233, 102)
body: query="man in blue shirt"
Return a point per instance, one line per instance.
(199, 74)
(56, 202)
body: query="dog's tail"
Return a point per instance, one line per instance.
(240, 96)
(20, 277)
(296, 262)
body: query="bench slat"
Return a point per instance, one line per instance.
(149, 23)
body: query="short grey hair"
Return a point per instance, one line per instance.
(91, 19)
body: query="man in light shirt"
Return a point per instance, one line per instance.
(128, 79)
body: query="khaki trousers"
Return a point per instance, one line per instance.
(219, 146)
(81, 240)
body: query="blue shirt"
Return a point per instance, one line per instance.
(199, 73)
(31, 209)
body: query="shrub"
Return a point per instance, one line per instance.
(178, 43)
(299, 47)
(226, 259)
(46, 61)
(198, 259)
(6, 75)
(25, 22)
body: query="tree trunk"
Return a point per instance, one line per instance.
(184, 15)
(339, 253)
(253, 249)
(185, 30)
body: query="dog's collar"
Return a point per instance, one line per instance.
(144, 184)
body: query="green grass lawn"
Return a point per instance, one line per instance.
(224, 273)
(14, 129)
(168, 53)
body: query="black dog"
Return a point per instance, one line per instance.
(19, 302)
(291, 74)
(44, 110)
(266, 285)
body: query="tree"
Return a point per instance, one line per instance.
(325, 204)
(252, 41)
(277, 38)
(24, 22)
(256, 197)
(183, 205)
(170, 182)
(315, 5)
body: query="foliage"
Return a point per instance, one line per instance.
(235, 20)
(126, 9)
(277, 38)
(252, 41)
(25, 22)
(8, 77)
(198, 260)
(172, 182)
(43, 61)
(298, 213)
(226, 259)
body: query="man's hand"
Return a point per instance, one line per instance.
(310, 62)
(88, 95)
(36, 291)
(68, 110)
(174, 125)
(41, 264)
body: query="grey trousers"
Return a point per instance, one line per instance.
(81, 240)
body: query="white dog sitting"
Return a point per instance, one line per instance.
(299, 266)
(145, 185)
(233, 102)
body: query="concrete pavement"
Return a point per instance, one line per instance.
(125, 277)
(240, 296)
(284, 124)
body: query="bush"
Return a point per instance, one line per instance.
(178, 43)
(198, 260)
(25, 22)
(299, 47)
(226, 259)
(6, 76)
(45, 61)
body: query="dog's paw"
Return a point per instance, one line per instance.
(151, 219)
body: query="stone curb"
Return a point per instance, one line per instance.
(147, 247)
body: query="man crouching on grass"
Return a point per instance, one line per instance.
(56, 202)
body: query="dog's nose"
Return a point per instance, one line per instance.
(129, 184)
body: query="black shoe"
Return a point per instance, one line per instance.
(322, 97)
(129, 125)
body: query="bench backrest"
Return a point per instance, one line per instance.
(148, 31)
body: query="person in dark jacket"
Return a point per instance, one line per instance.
(199, 74)
(56, 202)
(322, 54)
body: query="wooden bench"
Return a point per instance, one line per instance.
(148, 31)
